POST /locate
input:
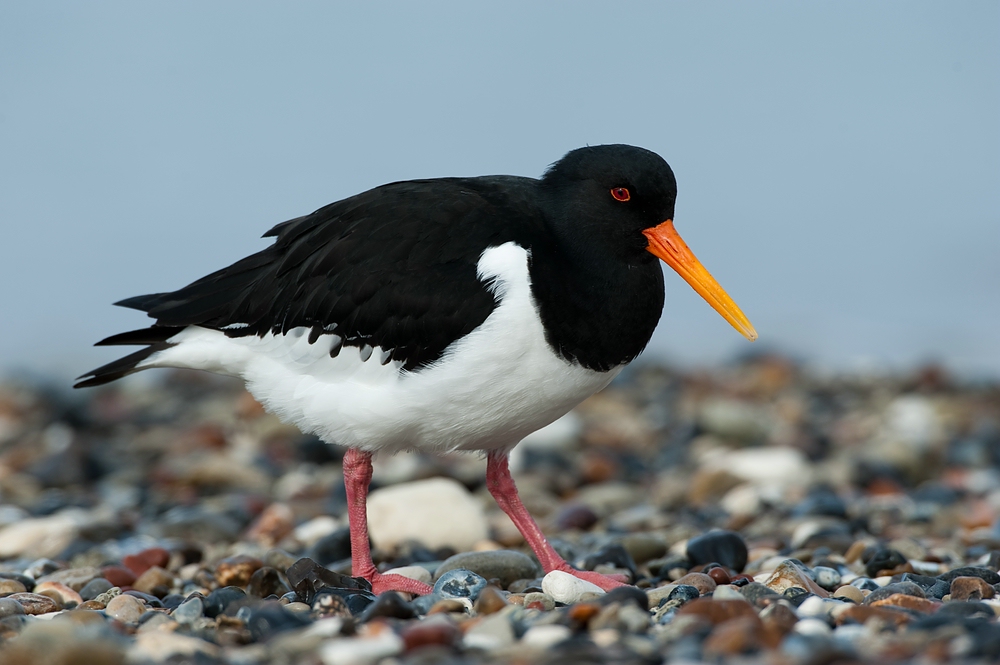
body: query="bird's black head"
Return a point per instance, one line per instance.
(614, 204)
(611, 193)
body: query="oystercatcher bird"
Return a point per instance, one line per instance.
(439, 315)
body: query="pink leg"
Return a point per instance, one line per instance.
(357, 477)
(502, 487)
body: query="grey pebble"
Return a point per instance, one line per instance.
(95, 588)
(10, 607)
(505, 565)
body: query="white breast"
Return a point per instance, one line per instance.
(490, 389)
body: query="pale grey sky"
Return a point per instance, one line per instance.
(838, 163)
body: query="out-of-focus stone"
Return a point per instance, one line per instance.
(435, 630)
(788, 575)
(35, 603)
(702, 582)
(862, 613)
(59, 592)
(490, 601)
(119, 576)
(153, 580)
(438, 512)
(10, 607)
(237, 570)
(272, 525)
(38, 536)
(11, 586)
(908, 602)
(125, 608)
(266, 582)
(142, 561)
(159, 646)
(74, 578)
(736, 636)
(503, 565)
(849, 592)
(971, 588)
(723, 547)
(718, 611)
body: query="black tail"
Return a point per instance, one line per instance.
(155, 336)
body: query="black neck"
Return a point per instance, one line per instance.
(597, 309)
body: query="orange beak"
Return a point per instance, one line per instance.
(666, 244)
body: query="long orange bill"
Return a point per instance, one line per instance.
(666, 244)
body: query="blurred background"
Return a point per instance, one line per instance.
(838, 163)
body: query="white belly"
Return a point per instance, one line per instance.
(491, 388)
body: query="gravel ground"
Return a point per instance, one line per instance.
(765, 514)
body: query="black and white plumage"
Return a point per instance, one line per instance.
(456, 313)
(438, 315)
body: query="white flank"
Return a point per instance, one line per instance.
(489, 390)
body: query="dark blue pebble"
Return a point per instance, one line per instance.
(865, 584)
(626, 594)
(726, 548)
(459, 583)
(883, 559)
(932, 586)
(684, 593)
(219, 600)
(906, 588)
(614, 555)
(390, 605)
(355, 600)
(984, 574)
(271, 618)
(421, 604)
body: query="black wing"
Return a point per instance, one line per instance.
(393, 267)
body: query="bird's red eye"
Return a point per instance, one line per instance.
(620, 194)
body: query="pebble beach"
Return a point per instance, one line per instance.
(762, 512)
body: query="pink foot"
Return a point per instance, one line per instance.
(606, 582)
(382, 583)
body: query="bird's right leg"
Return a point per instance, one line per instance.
(501, 486)
(357, 477)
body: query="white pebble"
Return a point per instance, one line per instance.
(727, 592)
(566, 588)
(816, 627)
(546, 636)
(438, 512)
(418, 573)
(308, 533)
(814, 606)
(361, 650)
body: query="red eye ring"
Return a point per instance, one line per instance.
(620, 193)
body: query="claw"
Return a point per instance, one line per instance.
(606, 582)
(382, 583)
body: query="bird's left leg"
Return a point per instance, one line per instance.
(502, 487)
(357, 478)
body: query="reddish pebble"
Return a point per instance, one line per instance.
(582, 613)
(576, 516)
(719, 574)
(971, 588)
(273, 524)
(118, 575)
(142, 561)
(536, 605)
(433, 630)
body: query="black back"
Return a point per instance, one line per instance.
(395, 267)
